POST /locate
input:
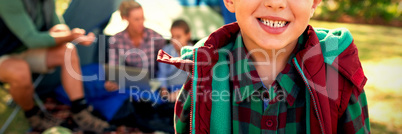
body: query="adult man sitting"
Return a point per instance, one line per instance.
(32, 40)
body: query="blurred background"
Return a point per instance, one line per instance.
(376, 26)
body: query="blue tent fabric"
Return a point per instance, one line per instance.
(107, 103)
(89, 14)
(92, 16)
(228, 17)
(199, 2)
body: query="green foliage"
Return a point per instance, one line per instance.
(367, 10)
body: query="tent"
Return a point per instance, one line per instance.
(102, 18)
(159, 15)
(91, 15)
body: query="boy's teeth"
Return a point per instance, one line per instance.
(274, 24)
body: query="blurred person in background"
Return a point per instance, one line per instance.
(33, 40)
(138, 43)
(136, 46)
(172, 78)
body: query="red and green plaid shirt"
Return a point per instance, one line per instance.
(256, 108)
(294, 107)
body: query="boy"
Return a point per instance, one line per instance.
(172, 78)
(272, 73)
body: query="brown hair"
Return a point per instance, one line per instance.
(127, 5)
(181, 24)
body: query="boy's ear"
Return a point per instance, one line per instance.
(315, 4)
(229, 5)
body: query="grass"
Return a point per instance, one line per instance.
(380, 50)
(19, 125)
(374, 42)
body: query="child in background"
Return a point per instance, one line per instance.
(170, 77)
(271, 72)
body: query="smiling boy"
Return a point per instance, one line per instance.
(271, 72)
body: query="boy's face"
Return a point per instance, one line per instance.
(179, 37)
(272, 24)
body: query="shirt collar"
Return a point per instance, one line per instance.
(246, 81)
(145, 35)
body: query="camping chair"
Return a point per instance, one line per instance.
(11, 103)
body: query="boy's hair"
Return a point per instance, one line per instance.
(126, 6)
(181, 24)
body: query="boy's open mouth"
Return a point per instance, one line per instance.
(272, 23)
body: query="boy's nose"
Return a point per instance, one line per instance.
(275, 4)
